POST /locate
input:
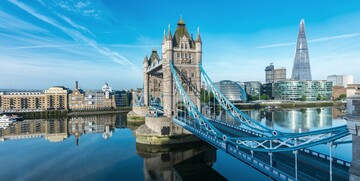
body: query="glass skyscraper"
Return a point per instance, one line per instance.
(301, 69)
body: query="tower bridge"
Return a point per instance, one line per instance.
(175, 80)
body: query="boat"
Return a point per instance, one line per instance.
(272, 108)
(6, 121)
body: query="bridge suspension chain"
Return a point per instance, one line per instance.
(261, 138)
(190, 107)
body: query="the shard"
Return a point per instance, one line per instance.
(301, 69)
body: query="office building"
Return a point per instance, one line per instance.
(301, 68)
(340, 80)
(253, 89)
(232, 91)
(22, 101)
(303, 90)
(274, 74)
(91, 100)
(56, 98)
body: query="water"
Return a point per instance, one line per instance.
(103, 147)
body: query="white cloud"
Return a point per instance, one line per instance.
(275, 45)
(344, 36)
(11, 23)
(77, 36)
(133, 46)
(41, 2)
(85, 7)
(68, 20)
(324, 39)
(80, 5)
(44, 46)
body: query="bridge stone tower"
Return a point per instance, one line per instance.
(186, 55)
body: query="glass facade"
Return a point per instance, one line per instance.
(303, 90)
(231, 90)
(301, 69)
(253, 88)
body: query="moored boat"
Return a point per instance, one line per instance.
(6, 121)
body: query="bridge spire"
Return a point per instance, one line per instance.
(169, 32)
(198, 38)
(164, 38)
(146, 60)
(181, 21)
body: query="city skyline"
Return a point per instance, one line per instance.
(47, 43)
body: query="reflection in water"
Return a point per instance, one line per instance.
(179, 162)
(292, 120)
(56, 130)
(303, 120)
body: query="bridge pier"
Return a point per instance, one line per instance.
(353, 124)
(162, 131)
(137, 115)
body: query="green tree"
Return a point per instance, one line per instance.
(264, 97)
(318, 97)
(206, 96)
(342, 97)
(303, 98)
(253, 98)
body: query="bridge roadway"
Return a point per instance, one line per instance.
(309, 166)
(285, 161)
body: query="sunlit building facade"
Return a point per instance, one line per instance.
(303, 90)
(22, 101)
(55, 98)
(91, 100)
(340, 80)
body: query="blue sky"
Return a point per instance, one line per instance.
(55, 42)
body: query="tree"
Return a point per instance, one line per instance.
(253, 98)
(303, 98)
(264, 97)
(206, 96)
(342, 96)
(318, 97)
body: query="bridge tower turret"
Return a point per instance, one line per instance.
(146, 82)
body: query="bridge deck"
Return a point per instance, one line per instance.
(283, 167)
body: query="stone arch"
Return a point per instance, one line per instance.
(184, 72)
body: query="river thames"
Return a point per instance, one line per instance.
(103, 147)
